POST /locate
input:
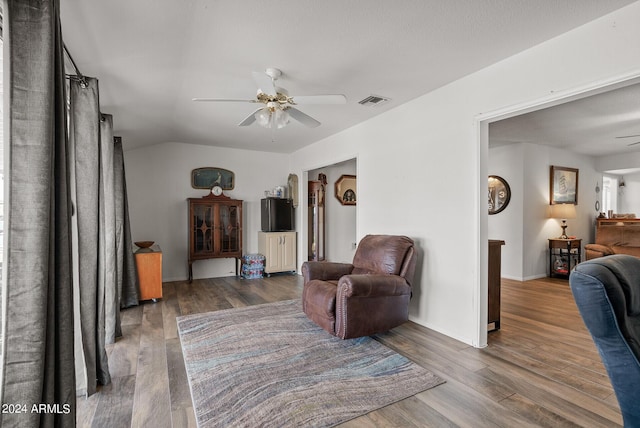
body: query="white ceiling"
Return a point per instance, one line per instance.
(153, 56)
(597, 125)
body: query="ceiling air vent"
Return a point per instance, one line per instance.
(373, 100)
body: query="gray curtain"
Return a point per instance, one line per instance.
(38, 361)
(84, 132)
(128, 287)
(107, 239)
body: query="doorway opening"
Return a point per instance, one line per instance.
(527, 238)
(340, 221)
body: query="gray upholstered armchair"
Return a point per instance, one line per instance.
(370, 295)
(607, 292)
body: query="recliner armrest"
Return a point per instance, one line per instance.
(599, 247)
(325, 271)
(370, 303)
(597, 250)
(372, 286)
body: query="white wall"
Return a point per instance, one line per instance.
(420, 171)
(525, 228)
(618, 162)
(507, 162)
(537, 227)
(340, 219)
(629, 198)
(159, 183)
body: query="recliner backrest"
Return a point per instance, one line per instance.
(620, 276)
(607, 292)
(385, 254)
(624, 234)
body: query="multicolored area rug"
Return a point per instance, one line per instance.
(269, 365)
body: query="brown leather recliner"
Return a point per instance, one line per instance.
(370, 295)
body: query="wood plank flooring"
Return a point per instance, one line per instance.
(540, 369)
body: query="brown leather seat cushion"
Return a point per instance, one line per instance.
(625, 249)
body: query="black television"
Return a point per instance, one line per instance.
(276, 214)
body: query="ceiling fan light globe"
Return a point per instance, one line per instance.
(263, 117)
(281, 118)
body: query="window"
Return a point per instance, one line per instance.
(609, 194)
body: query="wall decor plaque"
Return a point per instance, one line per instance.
(345, 189)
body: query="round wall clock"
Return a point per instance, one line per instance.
(499, 194)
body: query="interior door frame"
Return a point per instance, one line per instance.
(481, 124)
(303, 192)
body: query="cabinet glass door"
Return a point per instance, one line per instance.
(230, 228)
(202, 229)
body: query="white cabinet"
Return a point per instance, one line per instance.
(279, 250)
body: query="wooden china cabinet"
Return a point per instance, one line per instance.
(215, 229)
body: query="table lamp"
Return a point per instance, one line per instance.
(563, 212)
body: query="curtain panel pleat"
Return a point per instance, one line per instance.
(107, 257)
(128, 286)
(85, 139)
(37, 360)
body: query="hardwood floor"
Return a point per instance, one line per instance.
(540, 369)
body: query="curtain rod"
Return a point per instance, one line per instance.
(78, 76)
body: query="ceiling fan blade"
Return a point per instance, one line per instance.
(320, 99)
(249, 119)
(264, 82)
(224, 100)
(303, 118)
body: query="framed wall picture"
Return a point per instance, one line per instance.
(207, 177)
(499, 194)
(345, 189)
(563, 185)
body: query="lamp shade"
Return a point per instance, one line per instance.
(563, 211)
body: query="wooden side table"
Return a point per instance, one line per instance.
(149, 264)
(564, 255)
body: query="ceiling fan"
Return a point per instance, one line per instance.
(631, 136)
(278, 105)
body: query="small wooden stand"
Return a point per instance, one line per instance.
(564, 255)
(149, 264)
